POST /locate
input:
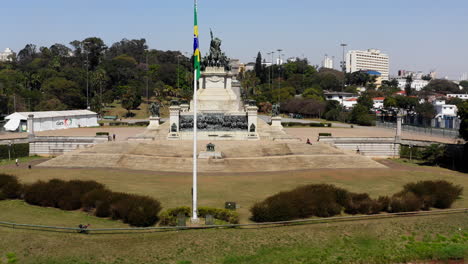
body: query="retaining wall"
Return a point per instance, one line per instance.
(54, 146)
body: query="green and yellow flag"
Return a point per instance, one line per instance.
(196, 47)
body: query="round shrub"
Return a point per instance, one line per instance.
(311, 200)
(141, 211)
(439, 194)
(359, 203)
(92, 199)
(10, 188)
(405, 202)
(103, 209)
(226, 215)
(169, 217)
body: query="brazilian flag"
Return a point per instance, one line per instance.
(196, 47)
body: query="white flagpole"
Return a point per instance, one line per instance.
(194, 188)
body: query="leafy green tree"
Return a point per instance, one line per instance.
(392, 83)
(442, 86)
(464, 85)
(360, 115)
(426, 111)
(409, 82)
(259, 66)
(366, 100)
(390, 102)
(463, 114)
(315, 93)
(359, 78)
(329, 81)
(130, 99)
(52, 104)
(433, 154)
(68, 92)
(405, 102)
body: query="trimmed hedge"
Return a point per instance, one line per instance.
(292, 124)
(136, 210)
(311, 200)
(437, 194)
(327, 200)
(227, 215)
(102, 133)
(325, 134)
(169, 217)
(10, 188)
(17, 151)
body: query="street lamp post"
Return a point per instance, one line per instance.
(87, 74)
(343, 65)
(9, 150)
(147, 78)
(279, 76)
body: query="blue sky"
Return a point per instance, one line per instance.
(417, 34)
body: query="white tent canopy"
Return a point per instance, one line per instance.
(53, 120)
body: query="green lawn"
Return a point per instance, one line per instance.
(371, 241)
(21, 160)
(351, 242)
(173, 189)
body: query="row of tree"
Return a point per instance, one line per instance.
(90, 73)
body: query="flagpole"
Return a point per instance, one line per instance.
(195, 167)
(194, 188)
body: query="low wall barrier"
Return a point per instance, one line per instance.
(246, 226)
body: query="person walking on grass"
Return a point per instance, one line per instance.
(17, 162)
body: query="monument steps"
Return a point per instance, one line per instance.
(238, 157)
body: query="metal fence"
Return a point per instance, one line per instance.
(252, 225)
(441, 132)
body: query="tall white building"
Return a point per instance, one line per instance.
(371, 59)
(464, 77)
(5, 56)
(327, 62)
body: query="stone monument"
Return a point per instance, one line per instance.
(221, 113)
(275, 117)
(154, 118)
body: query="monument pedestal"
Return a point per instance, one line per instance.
(210, 155)
(154, 122)
(276, 122)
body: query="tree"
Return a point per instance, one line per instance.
(68, 92)
(313, 93)
(390, 102)
(463, 114)
(27, 54)
(433, 154)
(52, 104)
(258, 66)
(426, 111)
(130, 99)
(442, 86)
(464, 85)
(426, 77)
(357, 78)
(409, 82)
(366, 100)
(360, 115)
(392, 83)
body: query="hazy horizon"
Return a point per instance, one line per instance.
(417, 35)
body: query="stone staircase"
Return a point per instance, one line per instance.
(260, 156)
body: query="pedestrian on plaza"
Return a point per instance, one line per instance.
(113, 137)
(308, 142)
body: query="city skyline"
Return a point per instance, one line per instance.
(418, 36)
